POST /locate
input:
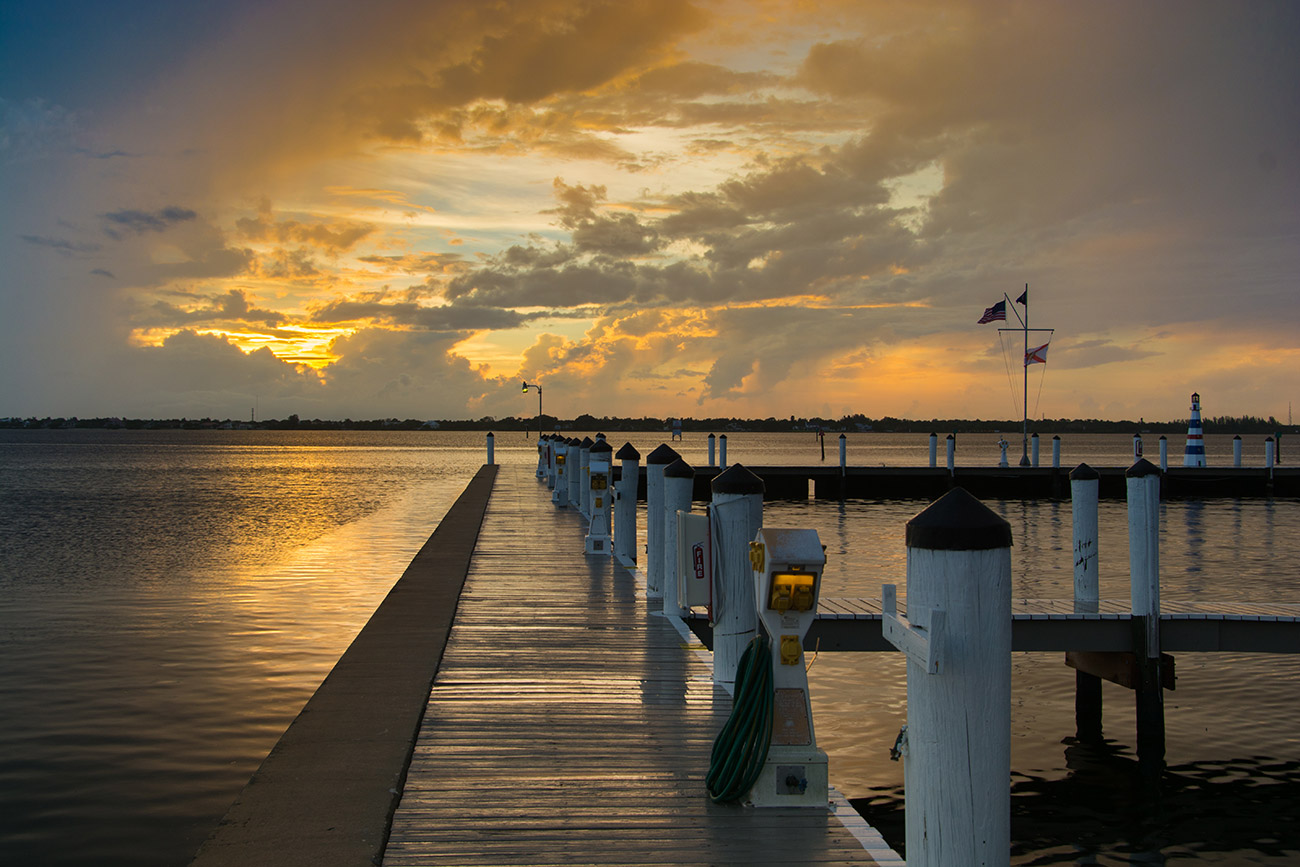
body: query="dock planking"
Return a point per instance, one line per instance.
(568, 725)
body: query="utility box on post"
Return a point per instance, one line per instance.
(787, 583)
(599, 496)
(560, 495)
(694, 561)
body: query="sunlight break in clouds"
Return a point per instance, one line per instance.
(666, 208)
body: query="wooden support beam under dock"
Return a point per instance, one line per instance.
(854, 624)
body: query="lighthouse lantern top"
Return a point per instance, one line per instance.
(1196, 398)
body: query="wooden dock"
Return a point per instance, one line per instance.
(568, 725)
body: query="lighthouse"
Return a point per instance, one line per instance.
(1194, 454)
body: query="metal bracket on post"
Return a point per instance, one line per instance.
(921, 645)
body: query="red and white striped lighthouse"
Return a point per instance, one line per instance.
(1194, 454)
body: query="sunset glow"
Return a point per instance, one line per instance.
(653, 208)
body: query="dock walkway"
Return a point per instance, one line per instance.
(568, 725)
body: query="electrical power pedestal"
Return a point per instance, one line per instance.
(787, 582)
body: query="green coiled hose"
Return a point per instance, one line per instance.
(740, 749)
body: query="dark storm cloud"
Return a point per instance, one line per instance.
(139, 222)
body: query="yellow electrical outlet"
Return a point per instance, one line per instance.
(790, 650)
(791, 590)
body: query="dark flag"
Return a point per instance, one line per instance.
(996, 312)
(1024, 297)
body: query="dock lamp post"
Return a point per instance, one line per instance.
(541, 472)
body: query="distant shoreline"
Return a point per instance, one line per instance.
(855, 424)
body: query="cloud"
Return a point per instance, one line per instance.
(229, 308)
(63, 245)
(140, 222)
(334, 236)
(452, 318)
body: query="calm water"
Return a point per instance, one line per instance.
(169, 600)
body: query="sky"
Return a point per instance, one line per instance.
(670, 208)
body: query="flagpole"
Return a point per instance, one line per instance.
(1024, 442)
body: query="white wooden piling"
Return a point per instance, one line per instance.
(1164, 453)
(550, 461)
(1085, 485)
(957, 759)
(491, 448)
(1002, 461)
(541, 456)
(654, 517)
(1137, 447)
(1143, 483)
(679, 483)
(573, 469)
(952, 453)
(1056, 452)
(722, 452)
(1033, 450)
(737, 516)
(625, 503)
(713, 444)
(934, 450)
(584, 476)
(1268, 452)
(1236, 451)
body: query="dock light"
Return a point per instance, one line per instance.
(541, 458)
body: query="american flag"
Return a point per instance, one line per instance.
(994, 313)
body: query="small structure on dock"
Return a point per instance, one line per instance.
(1194, 454)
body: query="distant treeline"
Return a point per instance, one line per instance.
(849, 423)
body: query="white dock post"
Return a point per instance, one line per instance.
(722, 452)
(957, 756)
(625, 503)
(934, 450)
(679, 485)
(1268, 452)
(1137, 446)
(541, 456)
(1085, 484)
(491, 448)
(1143, 483)
(573, 469)
(844, 455)
(1164, 453)
(654, 518)
(713, 445)
(560, 496)
(1236, 451)
(1056, 452)
(1002, 462)
(1033, 450)
(737, 512)
(549, 439)
(584, 476)
(952, 453)
(599, 539)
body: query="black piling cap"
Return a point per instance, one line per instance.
(628, 453)
(664, 454)
(1056, 437)
(735, 479)
(843, 437)
(679, 469)
(1143, 467)
(1084, 473)
(587, 442)
(574, 442)
(1237, 437)
(958, 522)
(601, 447)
